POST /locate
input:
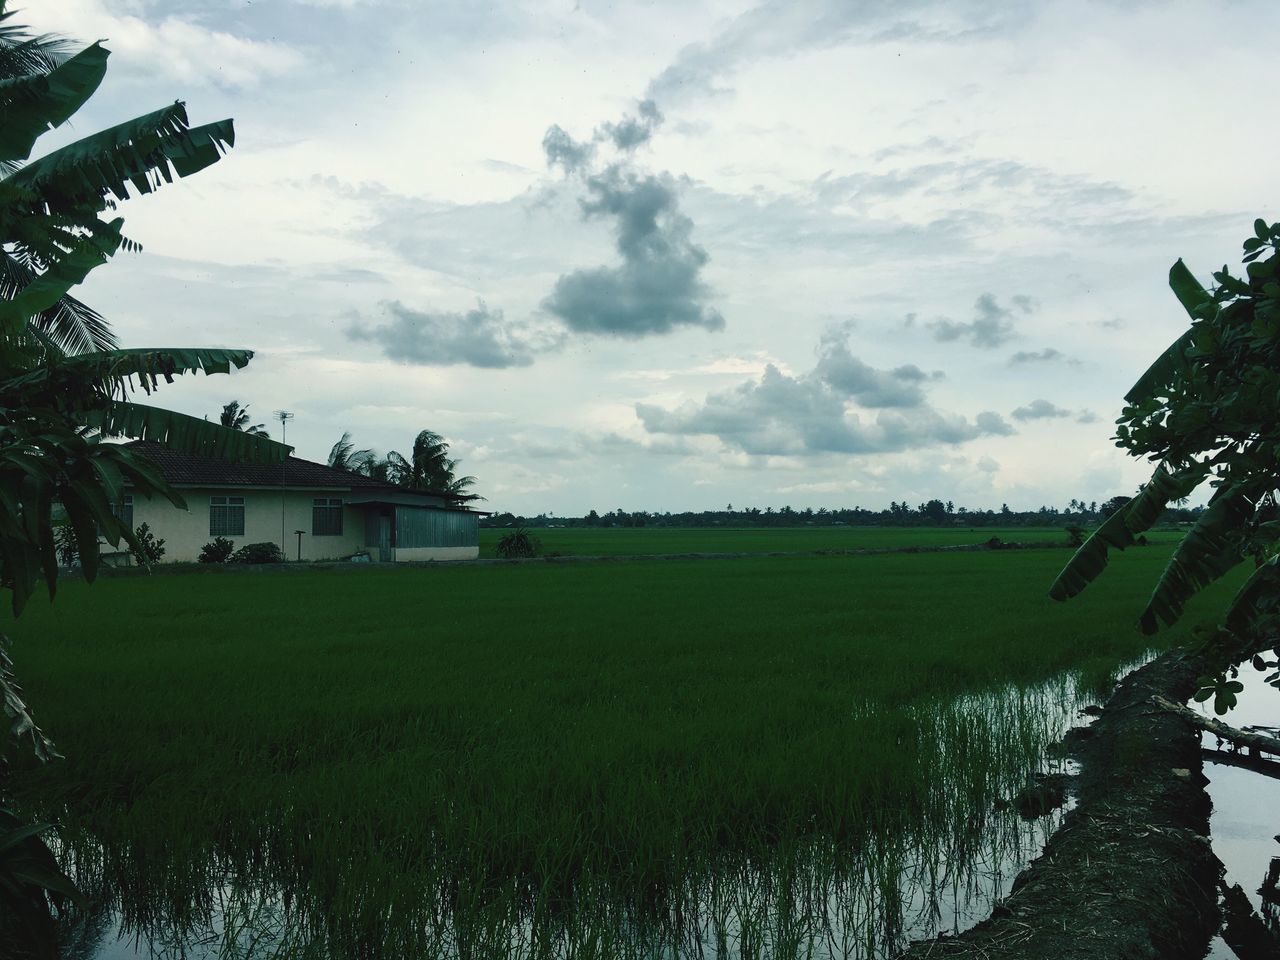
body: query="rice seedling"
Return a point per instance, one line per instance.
(765, 757)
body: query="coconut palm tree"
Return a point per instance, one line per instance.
(344, 456)
(237, 418)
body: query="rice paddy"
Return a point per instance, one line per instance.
(760, 757)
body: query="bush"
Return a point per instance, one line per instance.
(258, 553)
(217, 550)
(1075, 534)
(518, 544)
(149, 549)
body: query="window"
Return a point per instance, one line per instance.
(123, 511)
(226, 516)
(326, 517)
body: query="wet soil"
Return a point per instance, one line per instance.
(1131, 872)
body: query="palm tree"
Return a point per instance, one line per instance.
(237, 418)
(430, 469)
(344, 456)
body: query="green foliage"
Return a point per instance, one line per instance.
(1075, 534)
(217, 550)
(63, 387)
(258, 553)
(146, 549)
(1206, 409)
(30, 882)
(1223, 691)
(517, 544)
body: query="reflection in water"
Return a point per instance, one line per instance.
(935, 864)
(1245, 818)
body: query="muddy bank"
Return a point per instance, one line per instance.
(1131, 872)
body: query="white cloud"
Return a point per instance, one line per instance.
(179, 48)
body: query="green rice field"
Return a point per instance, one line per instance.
(768, 756)
(648, 541)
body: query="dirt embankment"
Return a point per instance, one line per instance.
(1130, 873)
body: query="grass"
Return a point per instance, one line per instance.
(648, 541)
(438, 760)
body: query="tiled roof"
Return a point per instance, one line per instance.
(181, 468)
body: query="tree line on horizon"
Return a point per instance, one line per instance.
(932, 513)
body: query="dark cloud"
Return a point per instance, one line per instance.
(477, 338)
(847, 375)
(1047, 355)
(1040, 410)
(630, 132)
(780, 414)
(991, 326)
(562, 150)
(658, 286)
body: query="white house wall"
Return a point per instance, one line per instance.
(185, 532)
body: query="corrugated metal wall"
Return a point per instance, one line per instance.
(436, 528)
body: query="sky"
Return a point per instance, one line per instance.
(667, 255)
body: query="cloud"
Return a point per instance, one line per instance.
(1040, 410)
(779, 28)
(991, 326)
(630, 132)
(1086, 416)
(847, 375)
(175, 47)
(1114, 323)
(658, 286)
(817, 412)
(477, 338)
(1047, 355)
(562, 150)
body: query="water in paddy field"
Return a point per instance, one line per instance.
(906, 880)
(1246, 805)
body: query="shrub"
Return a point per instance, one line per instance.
(1075, 534)
(258, 553)
(149, 550)
(518, 544)
(217, 550)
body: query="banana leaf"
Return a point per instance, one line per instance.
(1202, 556)
(1121, 529)
(1193, 298)
(186, 434)
(32, 104)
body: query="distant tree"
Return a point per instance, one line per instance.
(593, 519)
(935, 511)
(237, 418)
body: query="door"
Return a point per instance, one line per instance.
(384, 538)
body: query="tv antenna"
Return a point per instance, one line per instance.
(284, 416)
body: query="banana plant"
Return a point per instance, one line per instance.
(66, 388)
(1206, 410)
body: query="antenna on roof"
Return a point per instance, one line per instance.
(284, 416)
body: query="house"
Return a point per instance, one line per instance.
(312, 511)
